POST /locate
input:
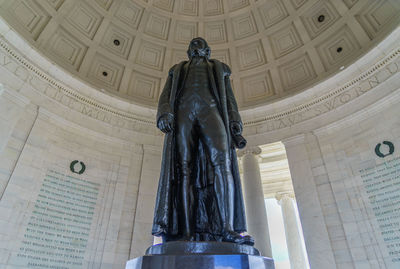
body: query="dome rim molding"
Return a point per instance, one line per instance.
(331, 93)
(302, 101)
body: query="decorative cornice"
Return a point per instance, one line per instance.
(16, 97)
(359, 116)
(48, 116)
(152, 149)
(8, 48)
(294, 140)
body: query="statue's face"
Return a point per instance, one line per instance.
(198, 47)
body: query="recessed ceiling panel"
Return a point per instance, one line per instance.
(274, 48)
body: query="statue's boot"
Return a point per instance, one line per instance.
(234, 237)
(248, 240)
(224, 192)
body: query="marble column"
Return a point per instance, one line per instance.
(297, 255)
(256, 215)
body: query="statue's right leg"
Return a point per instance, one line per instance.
(213, 134)
(184, 146)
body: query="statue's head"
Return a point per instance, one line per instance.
(198, 47)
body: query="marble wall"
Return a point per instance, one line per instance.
(336, 210)
(347, 148)
(45, 125)
(39, 142)
(341, 226)
(330, 143)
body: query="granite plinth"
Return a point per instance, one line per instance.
(200, 261)
(201, 255)
(195, 247)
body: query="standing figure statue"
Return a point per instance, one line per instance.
(199, 194)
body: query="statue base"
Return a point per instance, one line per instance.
(201, 255)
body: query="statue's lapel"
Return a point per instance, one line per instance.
(219, 71)
(183, 73)
(175, 82)
(212, 81)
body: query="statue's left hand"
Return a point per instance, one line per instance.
(236, 128)
(166, 123)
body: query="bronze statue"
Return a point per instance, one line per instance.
(199, 194)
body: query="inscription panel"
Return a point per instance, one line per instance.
(382, 186)
(57, 233)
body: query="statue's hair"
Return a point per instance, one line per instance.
(208, 49)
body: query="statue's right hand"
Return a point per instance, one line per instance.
(166, 123)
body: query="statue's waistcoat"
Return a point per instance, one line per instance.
(196, 87)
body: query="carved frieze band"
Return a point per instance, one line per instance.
(44, 83)
(335, 98)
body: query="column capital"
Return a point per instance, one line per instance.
(279, 196)
(255, 150)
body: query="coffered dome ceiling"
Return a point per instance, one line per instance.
(275, 47)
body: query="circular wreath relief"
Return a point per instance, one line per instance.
(378, 151)
(73, 164)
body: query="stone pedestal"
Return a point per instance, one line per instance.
(204, 248)
(200, 262)
(201, 255)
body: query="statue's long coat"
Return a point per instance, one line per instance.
(167, 204)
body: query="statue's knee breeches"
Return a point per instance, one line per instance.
(219, 158)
